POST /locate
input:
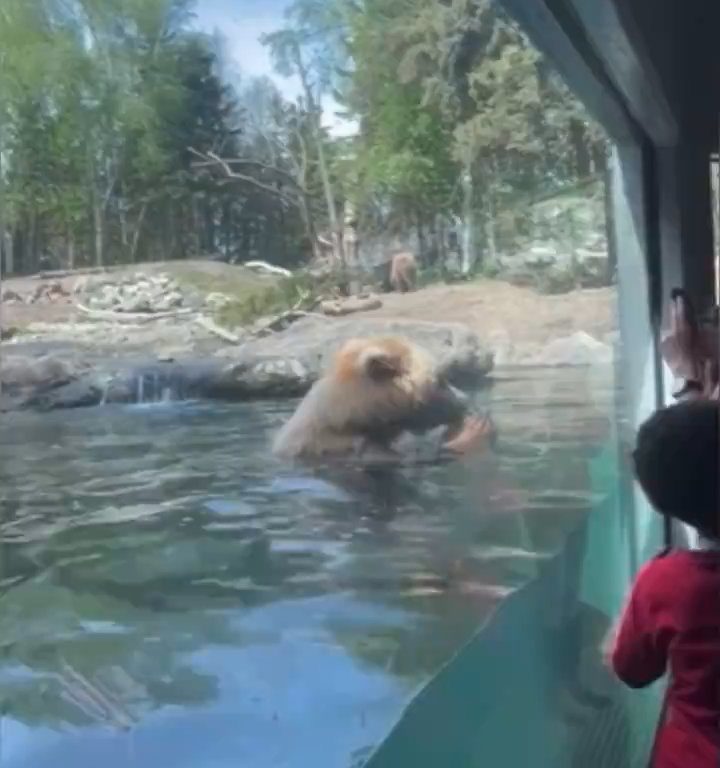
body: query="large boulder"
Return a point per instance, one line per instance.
(282, 365)
(10, 296)
(303, 350)
(132, 294)
(579, 350)
(286, 364)
(36, 380)
(555, 270)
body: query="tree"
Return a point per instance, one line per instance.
(302, 49)
(122, 139)
(101, 100)
(402, 161)
(513, 118)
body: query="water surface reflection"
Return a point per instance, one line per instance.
(173, 596)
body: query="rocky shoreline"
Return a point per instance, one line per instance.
(277, 366)
(148, 337)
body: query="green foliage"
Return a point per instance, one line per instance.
(402, 156)
(301, 291)
(440, 90)
(101, 102)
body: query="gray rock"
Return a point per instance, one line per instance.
(84, 392)
(11, 297)
(107, 297)
(138, 293)
(21, 372)
(578, 349)
(555, 270)
(100, 302)
(282, 365)
(592, 268)
(26, 379)
(82, 285)
(543, 256)
(311, 341)
(168, 302)
(137, 303)
(286, 364)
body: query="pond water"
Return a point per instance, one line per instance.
(172, 596)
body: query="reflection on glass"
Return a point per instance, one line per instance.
(171, 593)
(149, 577)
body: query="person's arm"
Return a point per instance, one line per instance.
(692, 350)
(637, 647)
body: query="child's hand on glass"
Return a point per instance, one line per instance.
(691, 350)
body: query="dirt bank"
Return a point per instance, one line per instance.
(498, 312)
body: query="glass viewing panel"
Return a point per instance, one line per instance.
(198, 202)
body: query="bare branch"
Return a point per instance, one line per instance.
(264, 166)
(230, 161)
(210, 159)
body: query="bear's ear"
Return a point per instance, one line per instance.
(382, 366)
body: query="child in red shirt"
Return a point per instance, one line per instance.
(672, 617)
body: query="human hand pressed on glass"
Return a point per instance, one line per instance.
(692, 350)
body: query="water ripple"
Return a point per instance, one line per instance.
(150, 553)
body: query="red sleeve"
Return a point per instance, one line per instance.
(639, 654)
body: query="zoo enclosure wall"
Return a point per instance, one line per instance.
(637, 65)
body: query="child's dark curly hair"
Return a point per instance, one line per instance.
(677, 463)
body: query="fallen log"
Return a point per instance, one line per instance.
(341, 307)
(263, 265)
(279, 322)
(209, 325)
(135, 317)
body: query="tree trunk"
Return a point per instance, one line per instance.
(306, 214)
(491, 210)
(10, 252)
(208, 227)
(442, 244)
(224, 230)
(19, 247)
(137, 232)
(70, 243)
(170, 229)
(609, 223)
(99, 233)
(281, 237)
(244, 238)
(338, 251)
(581, 151)
(351, 249)
(309, 224)
(197, 236)
(32, 249)
(315, 111)
(468, 222)
(229, 231)
(122, 215)
(98, 227)
(422, 247)
(3, 248)
(490, 230)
